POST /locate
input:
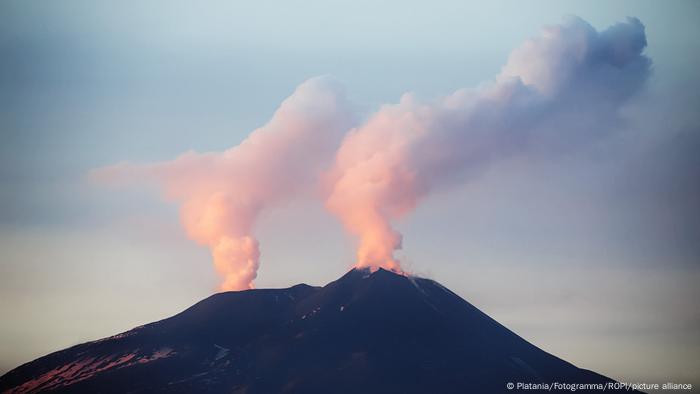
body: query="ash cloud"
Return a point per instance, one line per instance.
(558, 91)
(221, 194)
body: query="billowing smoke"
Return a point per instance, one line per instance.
(221, 194)
(557, 91)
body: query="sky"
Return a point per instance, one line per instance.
(591, 253)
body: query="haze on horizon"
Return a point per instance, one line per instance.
(590, 253)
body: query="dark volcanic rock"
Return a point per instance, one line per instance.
(364, 333)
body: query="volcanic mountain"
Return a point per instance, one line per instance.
(364, 333)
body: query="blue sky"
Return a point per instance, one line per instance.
(591, 255)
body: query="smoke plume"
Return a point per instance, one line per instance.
(221, 194)
(556, 92)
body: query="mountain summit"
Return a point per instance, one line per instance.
(363, 333)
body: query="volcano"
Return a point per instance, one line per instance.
(366, 332)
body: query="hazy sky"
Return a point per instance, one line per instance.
(592, 255)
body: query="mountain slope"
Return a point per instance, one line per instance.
(369, 333)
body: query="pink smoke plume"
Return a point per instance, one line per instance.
(557, 91)
(222, 193)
